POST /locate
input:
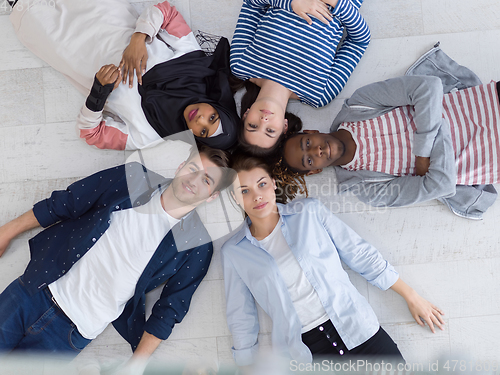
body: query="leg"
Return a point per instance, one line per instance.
(36, 323)
(380, 345)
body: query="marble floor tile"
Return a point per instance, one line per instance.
(450, 16)
(14, 55)
(21, 97)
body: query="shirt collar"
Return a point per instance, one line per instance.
(244, 232)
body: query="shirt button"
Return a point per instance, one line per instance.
(321, 328)
(94, 240)
(341, 352)
(334, 343)
(327, 336)
(117, 207)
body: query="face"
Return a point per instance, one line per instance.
(264, 122)
(312, 151)
(202, 119)
(254, 192)
(196, 180)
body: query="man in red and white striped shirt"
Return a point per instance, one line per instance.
(396, 128)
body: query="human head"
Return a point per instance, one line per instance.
(202, 176)
(311, 151)
(288, 183)
(254, 189)
(294, 123)
(202, 119)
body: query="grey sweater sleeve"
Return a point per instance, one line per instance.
(432, 140)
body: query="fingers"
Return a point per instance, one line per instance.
(306, 17)
(107, 74)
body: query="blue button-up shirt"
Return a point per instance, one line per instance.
(77, 217)
(319, 241)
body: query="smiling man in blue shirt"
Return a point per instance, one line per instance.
(109, 239)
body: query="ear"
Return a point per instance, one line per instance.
(245, 114)
(213, 196)
(314, 171)
(310, 131)
(285, 129)
(274, 184)
(181, 165)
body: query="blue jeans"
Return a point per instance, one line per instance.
(36, 323)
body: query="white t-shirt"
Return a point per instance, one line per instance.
(305, 299)
(95, 290)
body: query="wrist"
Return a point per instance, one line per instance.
(139, 37)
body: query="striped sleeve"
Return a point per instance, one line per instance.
(350, 52)
(244, 34)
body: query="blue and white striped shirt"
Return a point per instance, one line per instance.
(271, 41)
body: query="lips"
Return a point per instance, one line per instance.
(266, 112)
(187, 188)
(329, 150)
(192, 114)
(260, 206)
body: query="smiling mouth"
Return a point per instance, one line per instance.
(266, 112)
(187, 188)
(192, 114)
(260, 206)
(329, 151)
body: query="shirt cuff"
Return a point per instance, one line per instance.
(146, 28)
(245, 357)
(387, 278)
(159, 327)
(43, 214)
(422, 146)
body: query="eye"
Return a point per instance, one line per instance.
(192, 169)
(244, 191)
(203, 132)
(270, 130)
(309, 161)
(206, 181)
(212, 118)
(262, 184)
(253, 126)
(307, 143)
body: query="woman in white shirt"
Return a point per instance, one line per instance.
(287, 259)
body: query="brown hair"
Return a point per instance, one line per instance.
(220, 158)
(287, 185)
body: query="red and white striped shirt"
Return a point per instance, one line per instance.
(384, 144)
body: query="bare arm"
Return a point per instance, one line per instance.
(421, 309)
(147, 346)
(15, 227)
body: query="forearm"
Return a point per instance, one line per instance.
(15, 227)
(21, 224)
(146, 347)
(404, 290)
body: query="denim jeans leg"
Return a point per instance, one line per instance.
(37, 324)
(12, 315)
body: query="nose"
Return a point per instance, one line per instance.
(257, 197)
(318, 151)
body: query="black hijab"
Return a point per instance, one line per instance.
(168, 88)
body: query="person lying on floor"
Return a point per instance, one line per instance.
(173, 85)
(401, 141)
(108, 240)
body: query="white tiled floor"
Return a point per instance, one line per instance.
(451, 261)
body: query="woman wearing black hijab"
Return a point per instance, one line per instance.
(173, 85)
